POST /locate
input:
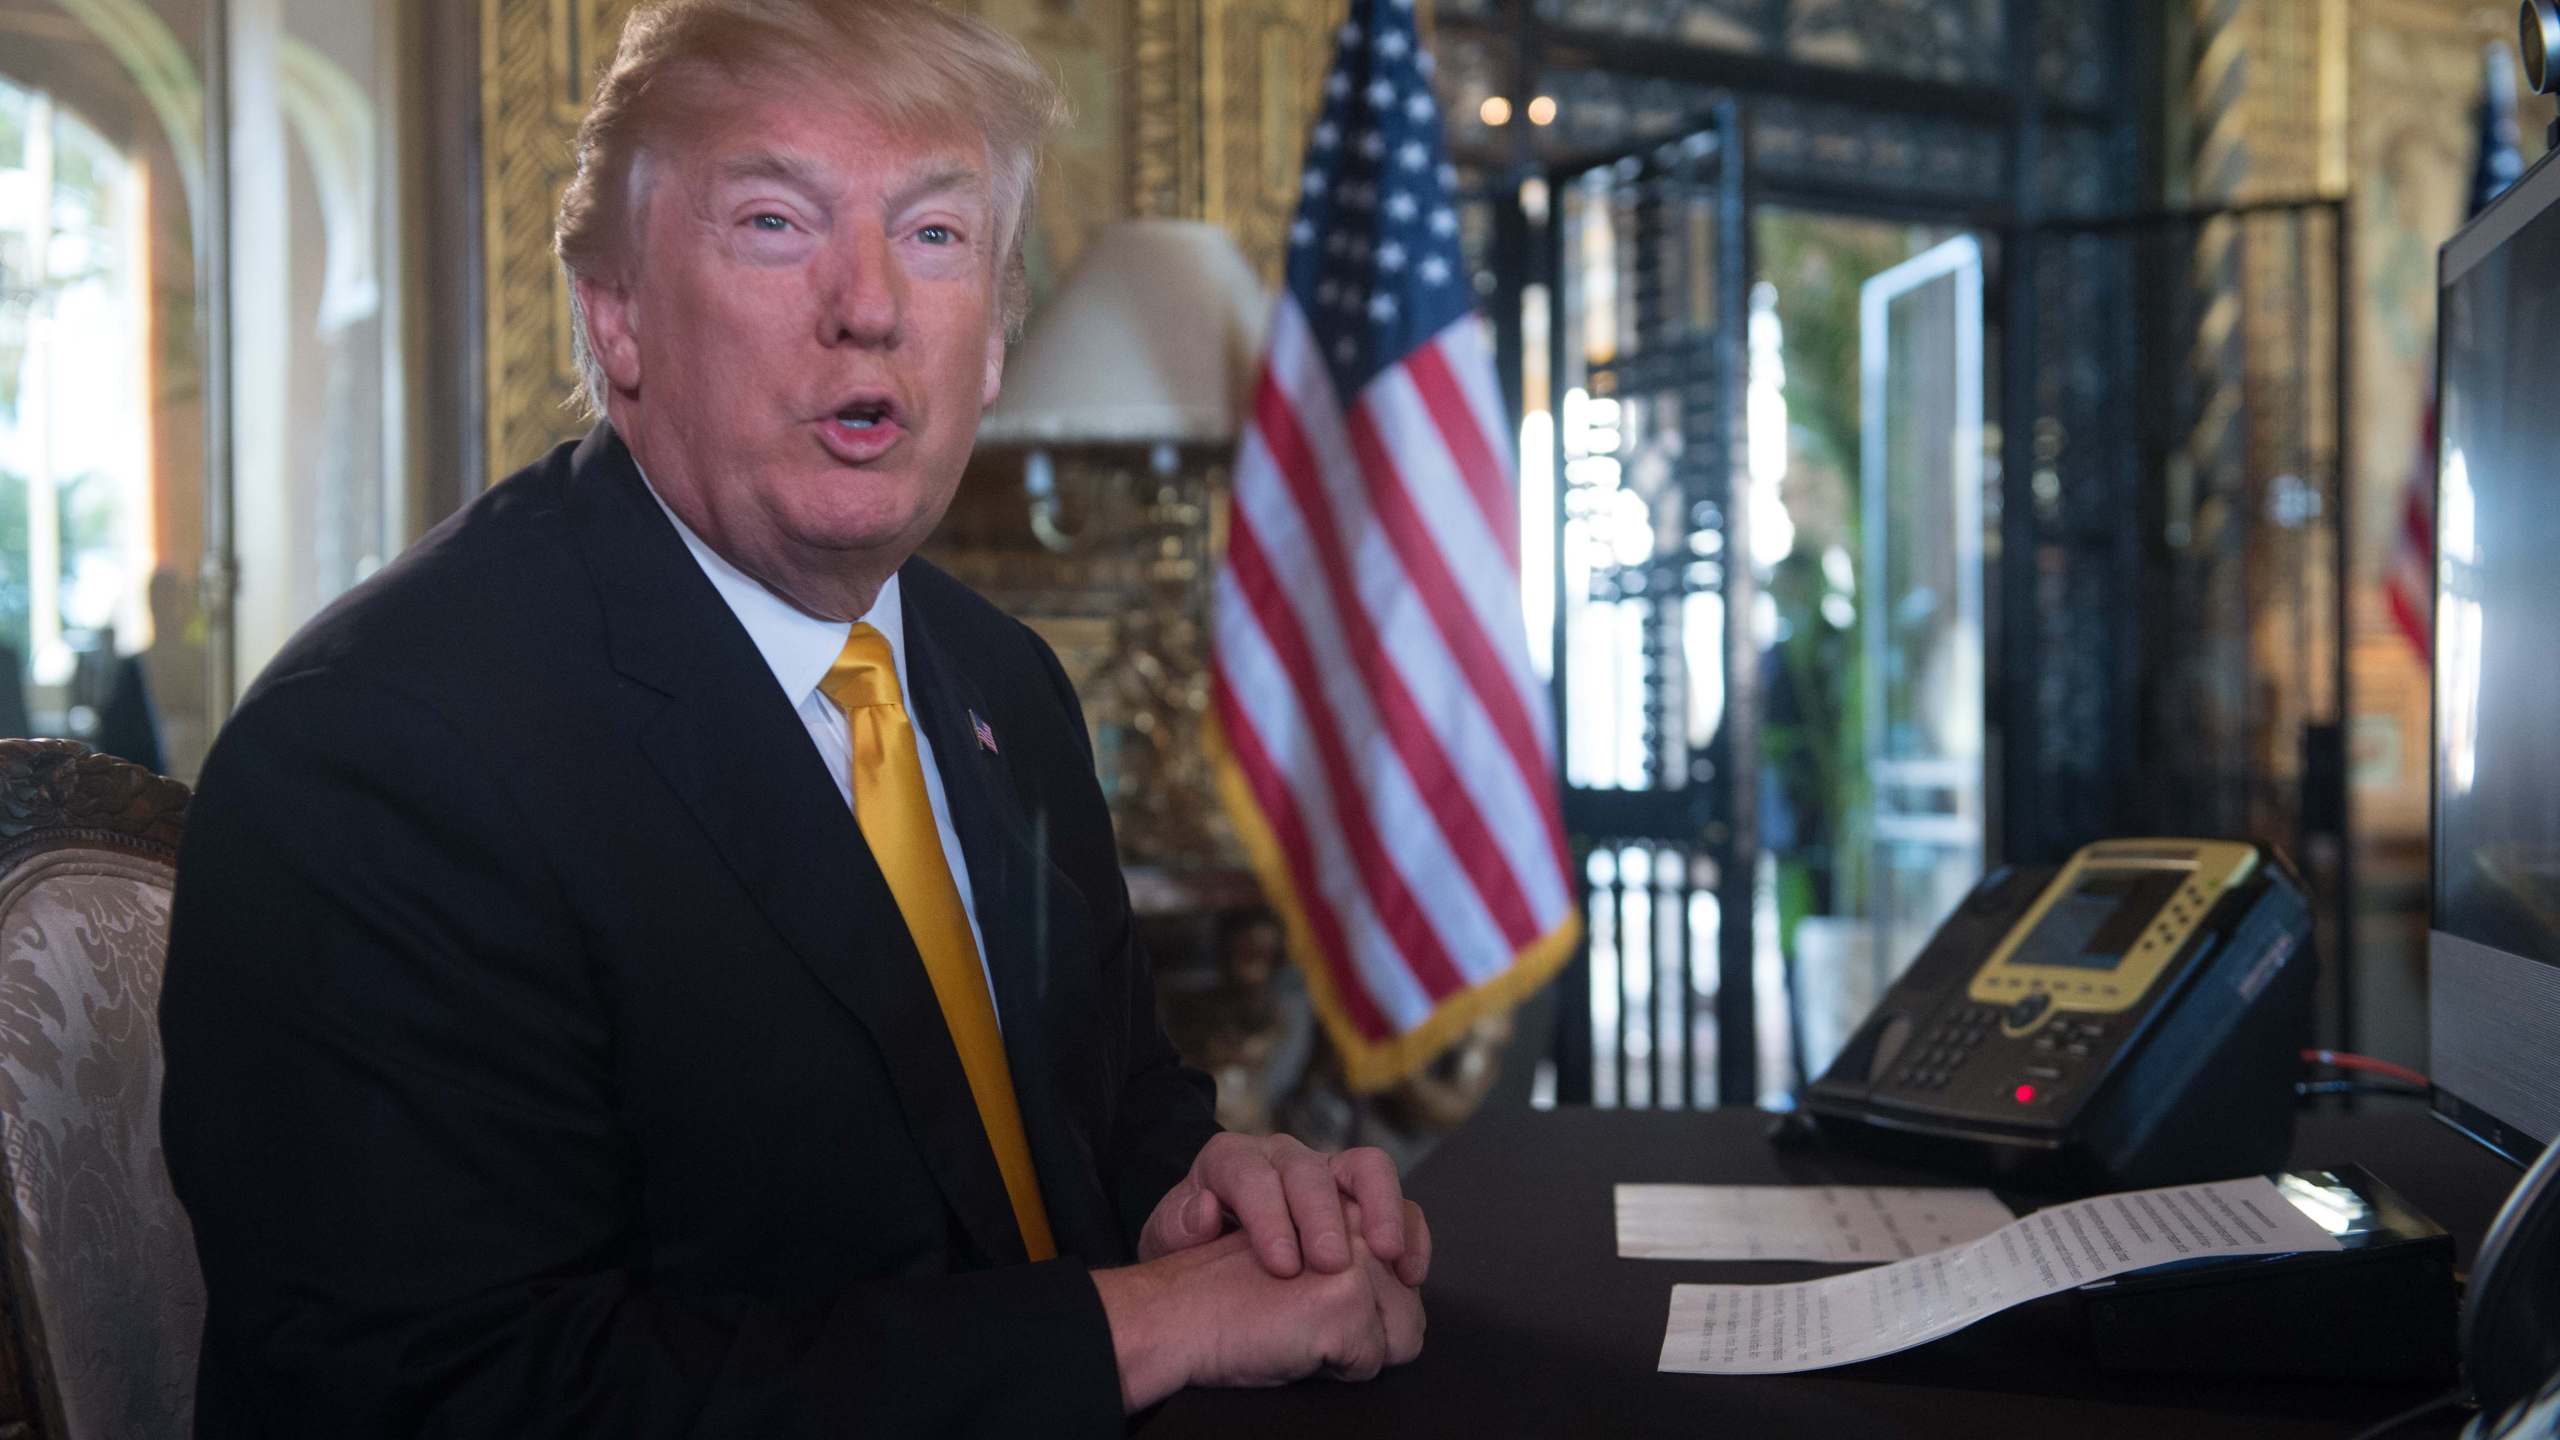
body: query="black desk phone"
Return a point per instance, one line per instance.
(2133, 1018)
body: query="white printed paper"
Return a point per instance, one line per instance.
(1847, 1224)
(1775, 1329)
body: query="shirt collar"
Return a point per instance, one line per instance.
(798, 647)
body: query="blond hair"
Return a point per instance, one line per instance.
(909, 64)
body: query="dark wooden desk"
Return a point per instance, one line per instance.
(1538, 1329)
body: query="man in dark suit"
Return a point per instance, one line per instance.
(653, 962)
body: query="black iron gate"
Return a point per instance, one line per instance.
(1649, 268)
(2178, 547)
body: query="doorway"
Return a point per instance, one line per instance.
(1868, 444)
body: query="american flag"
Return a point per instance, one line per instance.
(1385, 749)
(2409, 582)
(2409, 585)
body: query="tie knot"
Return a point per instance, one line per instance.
(865, 673)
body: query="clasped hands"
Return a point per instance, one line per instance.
(1268, 1263)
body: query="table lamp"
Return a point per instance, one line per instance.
(1151, 343)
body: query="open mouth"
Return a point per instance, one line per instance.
(867, 415)
(863, 429)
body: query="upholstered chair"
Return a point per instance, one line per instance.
(103, 1301)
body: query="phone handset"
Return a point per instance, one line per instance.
(2536, 1419)
(2511, 1317)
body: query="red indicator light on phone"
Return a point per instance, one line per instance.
(2026, 1094)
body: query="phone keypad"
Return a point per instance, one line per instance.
(1938, 1055)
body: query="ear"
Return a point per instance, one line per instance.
(612, 330)
(1012, 303)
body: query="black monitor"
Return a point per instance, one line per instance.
(2493, 941)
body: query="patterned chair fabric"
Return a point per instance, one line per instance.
(105, 1305)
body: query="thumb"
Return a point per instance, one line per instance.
(1185, 1217)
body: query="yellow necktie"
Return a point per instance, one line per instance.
(897, 821)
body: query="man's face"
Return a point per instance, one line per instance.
(802, 342)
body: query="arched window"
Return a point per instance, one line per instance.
(75, 462)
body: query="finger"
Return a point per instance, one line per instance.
(1401, 1318)
(1186, 1216)
(1315, 1203)
(1415, 1263)
(1244, 1180)
(1367, 1346)
(1368, 1176)
(1156, 1237)
(1373, 1348)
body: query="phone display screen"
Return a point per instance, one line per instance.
(2098, 920)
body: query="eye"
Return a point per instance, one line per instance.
(938, 235)
(769, 223)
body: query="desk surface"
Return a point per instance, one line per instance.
(1538, 1329)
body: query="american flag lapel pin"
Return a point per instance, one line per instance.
(986, 733)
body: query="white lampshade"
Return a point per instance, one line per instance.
(1153, 339)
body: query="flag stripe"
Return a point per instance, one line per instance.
(1403, 917)
(1459, 430)
(1253, 674)
(1429, 572)
(1365, 480)
(1388, 791)
(1471, 361)
(2414, 570)
(1452, 718)
(2411, 623)
(1518, 805)
(1280, 812)
(1449, 517)
(2408, 587)
(1415, 741)
(2418, 523)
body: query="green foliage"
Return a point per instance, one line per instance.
(12, 357)
(13, 126)
(13, 562)
(1818, 264)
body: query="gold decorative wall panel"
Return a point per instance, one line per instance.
(1222, 93)
(1165, 108)
(538, 59)
(1086, 45)
(1262, 67)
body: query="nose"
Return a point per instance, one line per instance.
(865, 296)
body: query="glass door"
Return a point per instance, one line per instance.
(1921, 464)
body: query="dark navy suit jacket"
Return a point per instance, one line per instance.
(546, 1055)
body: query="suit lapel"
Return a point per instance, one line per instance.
(730, 746)
(1034, 924)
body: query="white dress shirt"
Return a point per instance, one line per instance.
(800, 648)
